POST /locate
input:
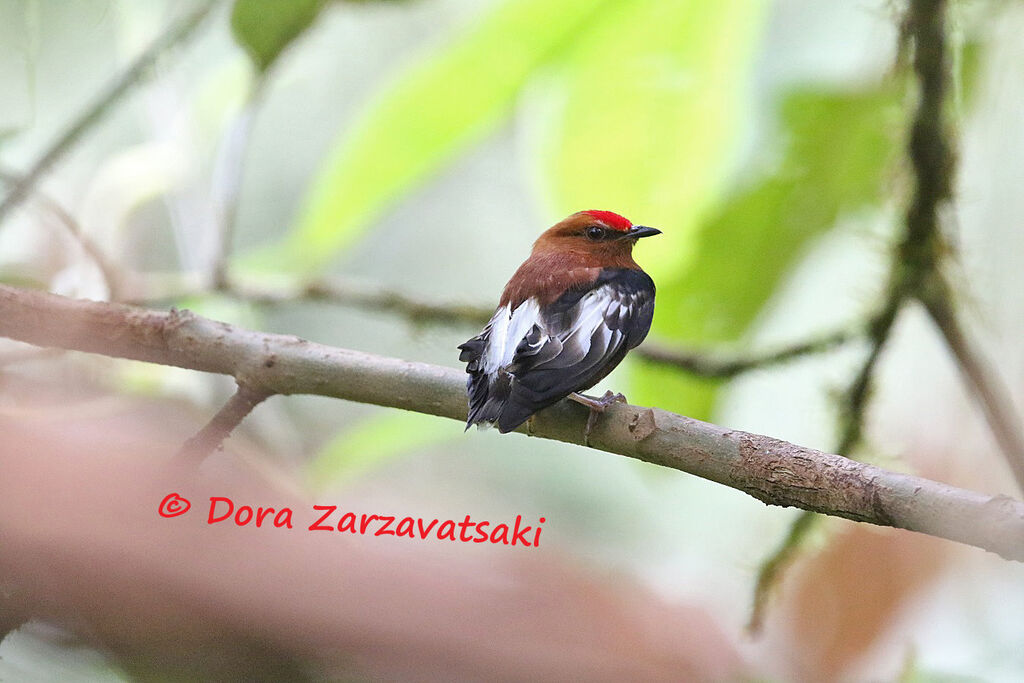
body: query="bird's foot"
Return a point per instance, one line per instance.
(597, 406)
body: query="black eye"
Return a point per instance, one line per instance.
(595, 233)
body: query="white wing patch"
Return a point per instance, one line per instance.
(507, 329)
(588, 327)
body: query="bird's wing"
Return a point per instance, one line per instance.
(528, 358)
(488, 355)
(582, 336)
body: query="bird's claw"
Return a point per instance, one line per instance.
(597, 406)
(591, 421)
(610, 398)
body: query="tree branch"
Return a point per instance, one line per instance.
(212, 435)
(228, 178)
(771, 470)
(924, 246)
(728, 365)
(109, 272)
(344, 292)
(177, 33)
(915, 273)
(988, 388)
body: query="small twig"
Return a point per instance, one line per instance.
(988, 388)
(211, 437)
(134, 74)
(934, 163)
(724, 365)
(855, 399)
(228, 183)
(340, 291)
(108, 271)
(771, 570)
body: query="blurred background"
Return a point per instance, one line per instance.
(416, 149)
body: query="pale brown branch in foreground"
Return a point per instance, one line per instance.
(771, 470)
(212, 436)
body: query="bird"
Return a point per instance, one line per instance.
(565, 320)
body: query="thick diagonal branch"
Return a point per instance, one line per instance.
(771, 470)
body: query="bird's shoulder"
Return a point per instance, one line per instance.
(546, 278)
(624, 285)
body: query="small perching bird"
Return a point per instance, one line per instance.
(565, 320)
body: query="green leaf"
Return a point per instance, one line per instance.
(266, 27)
(377, 439)
(642, 120)
(644, 116)
(839, 147)
(430, 114)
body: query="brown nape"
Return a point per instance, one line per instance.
(563, 258)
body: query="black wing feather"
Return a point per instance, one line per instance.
(552, 361)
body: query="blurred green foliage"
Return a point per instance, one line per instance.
(837, 149)
(438, 108)
(645, 112)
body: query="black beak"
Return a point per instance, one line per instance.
(638, 231)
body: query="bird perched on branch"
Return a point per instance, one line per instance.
(565, 320)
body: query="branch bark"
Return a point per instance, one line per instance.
(217, 430)
(771, 470)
